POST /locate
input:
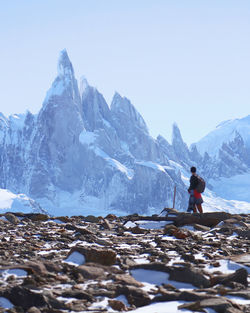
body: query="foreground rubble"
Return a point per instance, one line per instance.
(189, 262)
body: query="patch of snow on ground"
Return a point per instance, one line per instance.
(152, 278)
(162, 307)
(123, 299)
(102, 305)
(239, 300)
(14, 271)
(5, 303)
(75, 258)
(130, 224)
(226, 267)
(153, 224)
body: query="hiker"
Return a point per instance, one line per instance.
(195, 199)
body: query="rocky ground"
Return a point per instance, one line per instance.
(181, 262)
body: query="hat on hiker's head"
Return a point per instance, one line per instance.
(193, 169)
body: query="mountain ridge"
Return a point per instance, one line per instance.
(79, 152)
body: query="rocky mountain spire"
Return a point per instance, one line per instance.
(180, 148)
(65, 84)
(124, 109)
(94, 108)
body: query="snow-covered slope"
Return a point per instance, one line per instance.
(224, 133)
(226, 161)
(10, 202)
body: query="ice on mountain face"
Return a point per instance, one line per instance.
(114, 163)
(152, 165)
(87, 138)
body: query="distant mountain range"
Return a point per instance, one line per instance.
(80, 156)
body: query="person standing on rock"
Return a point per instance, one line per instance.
(195, 198)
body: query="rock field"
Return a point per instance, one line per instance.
(111, 264)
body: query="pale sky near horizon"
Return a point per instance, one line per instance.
(177, 61)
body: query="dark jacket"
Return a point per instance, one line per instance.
(193, 182)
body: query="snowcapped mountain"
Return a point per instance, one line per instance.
(226, 159)
(80, 156)
(225, 133)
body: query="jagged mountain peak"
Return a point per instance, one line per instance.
(179, 146)
(64, 66)
(65, 85)
(122, 105)
(176, 134)
(84, 85)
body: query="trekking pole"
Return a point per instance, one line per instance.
(174, 196)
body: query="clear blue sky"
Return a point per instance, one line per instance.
(177, 61)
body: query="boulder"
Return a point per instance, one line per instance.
(220, 305)
(91, 272)
(210, 219)
(91, 219)
(25, 298)
(125, 279)
(38, 217)
(117, 305)
(100, 256)
(239, 276)
(189, 275)
(134, 295)
(12, 218)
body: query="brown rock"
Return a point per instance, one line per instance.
(91, 219)
(201, 227)
(100, 256)
(111, 217)
(134, 295)
(138, 230)
(180, 234)
(169, 229)
(78, 294)
(12, 218)
(189, 275)
(23, 297)
(91, 272)
(217, 304)
(210, 219)
(239, 276)
(38, 217)
(117, 305)
(127, 280)
(106, 224)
